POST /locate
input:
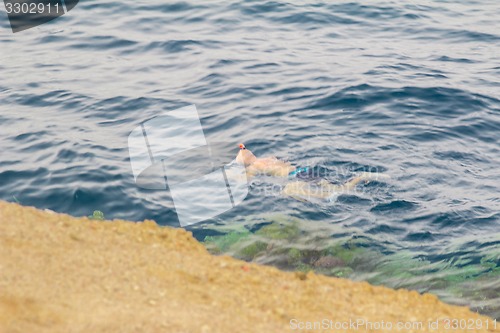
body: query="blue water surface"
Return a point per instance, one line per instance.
(409, 89)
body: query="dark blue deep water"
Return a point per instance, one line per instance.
(408, 89)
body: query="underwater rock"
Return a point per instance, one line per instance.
(279, 231)
(97, 215)
(252, 250)
(222, 243)
(294, 256)
(343, 272)
(328, 262)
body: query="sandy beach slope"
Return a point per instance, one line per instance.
(63, 274)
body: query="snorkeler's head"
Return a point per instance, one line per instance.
(245, 156)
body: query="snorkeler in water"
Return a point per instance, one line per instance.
(270, 166)
(299, 189)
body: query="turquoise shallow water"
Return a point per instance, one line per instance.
(405, 89)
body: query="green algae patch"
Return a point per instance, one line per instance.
(279, 231)
(223, 243)
(341, 272)
(294, 256)
(97, 215)
(347, 252)
(253, 250)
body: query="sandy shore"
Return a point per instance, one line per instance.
(62, 274)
